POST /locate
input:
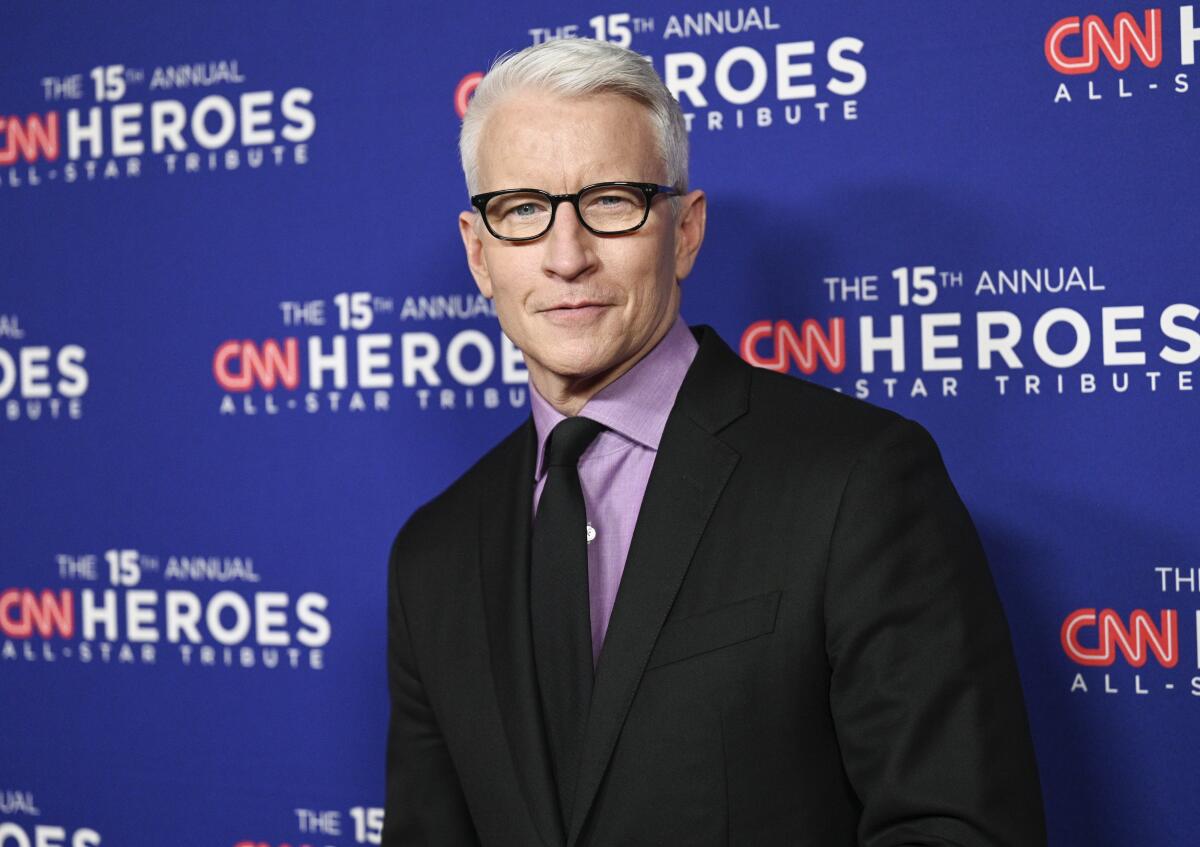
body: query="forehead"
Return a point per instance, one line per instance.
(536, 139)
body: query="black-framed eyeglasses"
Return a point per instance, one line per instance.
(604, 208)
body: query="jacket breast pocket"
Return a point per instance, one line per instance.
(721, 627)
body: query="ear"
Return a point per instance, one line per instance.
(468, 227)
(689, 231)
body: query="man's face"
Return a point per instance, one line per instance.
(581, 307)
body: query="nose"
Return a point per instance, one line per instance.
(568, 246)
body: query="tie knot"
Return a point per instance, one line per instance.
(569, 438)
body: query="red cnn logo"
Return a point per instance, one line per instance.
(803, 348)
(22, 611)
(1135, 642)
(463, 91)
(263, 367)
(36, 135)
(1118, 44)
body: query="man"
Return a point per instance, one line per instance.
(687, 602)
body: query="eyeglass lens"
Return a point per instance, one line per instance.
(606, 208)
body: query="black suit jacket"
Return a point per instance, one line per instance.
(806, 647)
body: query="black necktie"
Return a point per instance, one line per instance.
(561, 616)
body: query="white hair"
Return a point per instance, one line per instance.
(575, 67)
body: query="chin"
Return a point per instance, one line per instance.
(575, 369)
(573, 352)
(579, 367)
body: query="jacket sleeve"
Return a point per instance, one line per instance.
(424, 802)
(925, 693)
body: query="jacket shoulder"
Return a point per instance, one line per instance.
(788, 410)
(776, 416)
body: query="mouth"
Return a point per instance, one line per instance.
(582, 304)
(574, 313)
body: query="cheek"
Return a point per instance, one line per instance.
(514, 321)
(641, 274)
(507, 270)
(667, 260)
(657, 278)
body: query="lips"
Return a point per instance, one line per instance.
(575, 314)
(582, 304)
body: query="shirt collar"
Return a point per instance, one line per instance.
(636, 404)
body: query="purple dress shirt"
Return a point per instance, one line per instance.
(614, 469)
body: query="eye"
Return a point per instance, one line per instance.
(522, 211)
(610, 201)
(519, 207)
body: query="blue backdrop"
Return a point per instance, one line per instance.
(239, 345)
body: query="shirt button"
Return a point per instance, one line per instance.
(591, 533)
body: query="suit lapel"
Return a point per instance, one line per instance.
(504, 526)
(689, 474)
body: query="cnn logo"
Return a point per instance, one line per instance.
(1117, 44)
(1107, 634)
(806, 347)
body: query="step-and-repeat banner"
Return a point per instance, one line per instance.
(239, 345)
